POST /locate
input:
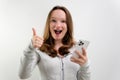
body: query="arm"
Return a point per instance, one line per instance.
(30, 57)
(82, 60)
(28, 62)
(84, 72)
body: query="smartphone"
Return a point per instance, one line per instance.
(79, 45)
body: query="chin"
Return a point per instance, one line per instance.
(58, 38)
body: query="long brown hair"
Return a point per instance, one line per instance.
(68, 42)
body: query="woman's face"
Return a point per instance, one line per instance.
(58, 25)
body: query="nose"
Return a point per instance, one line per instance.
(58, 25)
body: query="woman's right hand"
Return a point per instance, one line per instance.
(36, 40)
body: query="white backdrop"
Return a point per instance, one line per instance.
(95, 20)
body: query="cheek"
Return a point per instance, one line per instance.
(51, 30)
(51, 27)
(65, 29)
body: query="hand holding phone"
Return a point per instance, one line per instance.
(79, 45)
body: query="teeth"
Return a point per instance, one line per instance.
(58, 31)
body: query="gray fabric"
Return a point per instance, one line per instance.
(52, 68)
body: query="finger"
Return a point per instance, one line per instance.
(34, 31)
(79, 54)
(37, 44)
(37, 38)
(77, 60)
(84, 52)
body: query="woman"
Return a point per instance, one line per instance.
(53, 52)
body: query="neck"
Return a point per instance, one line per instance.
(58, 44)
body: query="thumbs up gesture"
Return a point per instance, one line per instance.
(36, 40)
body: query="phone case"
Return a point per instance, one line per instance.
(79, 45)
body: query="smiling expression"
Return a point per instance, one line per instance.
(58, 25)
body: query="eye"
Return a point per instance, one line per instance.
(53, 20)
(63, 21)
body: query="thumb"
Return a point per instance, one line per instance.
(84, 52)
(34, 31)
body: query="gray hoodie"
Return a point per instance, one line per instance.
(52, 68)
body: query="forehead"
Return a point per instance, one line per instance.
(58, 14)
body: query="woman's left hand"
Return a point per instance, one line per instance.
(82, 59)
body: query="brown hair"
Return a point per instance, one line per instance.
(68, 42)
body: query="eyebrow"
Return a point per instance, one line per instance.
(60, 18)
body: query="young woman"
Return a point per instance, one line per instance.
(53, 53)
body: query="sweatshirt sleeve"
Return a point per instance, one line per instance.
(28, 62)
(84, 72)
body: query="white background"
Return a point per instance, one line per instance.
(95, 20)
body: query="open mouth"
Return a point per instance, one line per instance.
(57, 31)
